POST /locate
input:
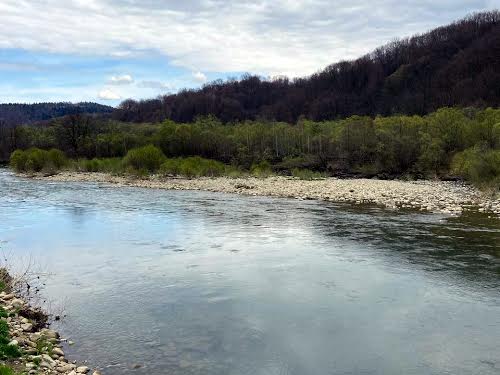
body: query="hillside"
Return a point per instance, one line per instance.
(16, 114)
(454, 65)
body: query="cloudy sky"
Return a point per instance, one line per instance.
(109, 50)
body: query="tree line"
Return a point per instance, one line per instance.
(454, 65)
(12, 114)
(447, 143)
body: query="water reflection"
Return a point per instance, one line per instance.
(204, 283)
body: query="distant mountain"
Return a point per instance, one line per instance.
(17, 114)
(454, 65)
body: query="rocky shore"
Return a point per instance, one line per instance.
(29, 347)
(434, 196)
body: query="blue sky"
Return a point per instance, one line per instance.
(110, 50)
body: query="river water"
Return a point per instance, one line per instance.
(183, 282)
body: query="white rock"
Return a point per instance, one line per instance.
(82, 369)
(17, 303)
(58, 351)
(27, 327)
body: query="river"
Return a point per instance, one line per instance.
(187, 282)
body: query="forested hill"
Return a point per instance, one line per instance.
(454, 65)
(17, 114)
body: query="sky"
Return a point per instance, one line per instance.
(110, 50)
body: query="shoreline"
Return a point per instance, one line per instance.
(29, 346)
(446, 197)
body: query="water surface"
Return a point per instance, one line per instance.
(183, 282)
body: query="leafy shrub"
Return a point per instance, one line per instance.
(170, 167)
(36, 160)
(148, 158)
(478, 165)
(109, 165)
(306, 174)
(262, 169)
(57, 158)
(18, 160)
(193, 167)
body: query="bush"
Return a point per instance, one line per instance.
(57, 158)
(478, 165)
(262, 169)
(36, 160)
(306, 174)
(193, 167)
(148, 158)
(170, 167)
(108, 165)
(18, 160)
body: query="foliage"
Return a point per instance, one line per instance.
(36, 160)
(386, 147)
(148, 158)
(106, 165)
(478, 165)
(6, 370)
(306, 174)
(262, 169)
(6, 350)
(193, 167)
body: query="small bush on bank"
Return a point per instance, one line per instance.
(193, 167)
(107, 165)
(262, 169)
(478, 165)
(306, 174)
(148, 158)
(37, 160)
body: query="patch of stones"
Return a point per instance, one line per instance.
(40, 347)
(447, 197)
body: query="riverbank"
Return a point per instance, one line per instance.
(434, 196)
(27, 345)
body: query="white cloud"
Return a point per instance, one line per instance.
(155, 85)
(125, 79)
(107, 94)
(200, 77)
(269, 37)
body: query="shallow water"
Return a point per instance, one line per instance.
(183, 282)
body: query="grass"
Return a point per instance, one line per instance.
(43, 345)
(195, 167)
(6, 370)
(107, 165)
(306, 174)
(6, 350)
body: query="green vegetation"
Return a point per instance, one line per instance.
(148, 158)
(194, 167)
(306, 174)
(37, 160)
(450, 142)
(6, 370)
(6, 350)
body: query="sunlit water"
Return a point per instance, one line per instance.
(205, 283)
